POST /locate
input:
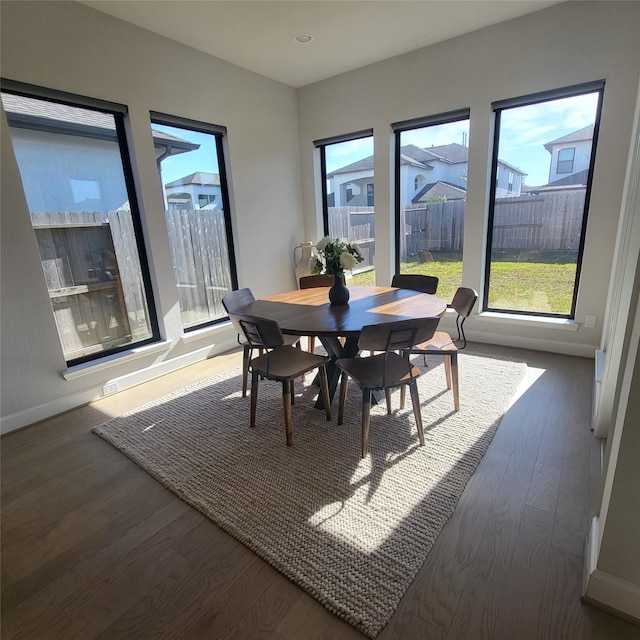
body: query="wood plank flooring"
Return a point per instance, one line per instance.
(94, 548)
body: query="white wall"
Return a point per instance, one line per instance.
(70, 47)
(564, 45)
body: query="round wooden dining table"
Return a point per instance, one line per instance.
(307, 312)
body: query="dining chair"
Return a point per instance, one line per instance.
(320, 280)
(417, 282)
(233, 302)
(310, 282)
(386, 370)
(442, 344)
(282, 362)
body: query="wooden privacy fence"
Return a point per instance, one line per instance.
(356, 224)
(94, 279)
(201, 260)
(547, 222)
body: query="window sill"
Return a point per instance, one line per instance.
(206, 332)
(563, 324)
(102, 364)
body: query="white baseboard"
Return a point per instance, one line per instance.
(536, 344)
(606, 591)
(27, 417)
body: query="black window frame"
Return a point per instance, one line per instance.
(321, 145)
(119, 113)
(407, 125)
(596, 86)
(219, 132)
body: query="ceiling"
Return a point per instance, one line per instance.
(347, 34)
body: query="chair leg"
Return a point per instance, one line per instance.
(403, 395)
(417, 412)
(344, 383)
(254, 397)
(324, 388)
(312, 344)
(246, 352)
(366, 413)
(286, 400)
(387, 393)
(454, 377)
(293, 391)
(447, 369)
(302, 377)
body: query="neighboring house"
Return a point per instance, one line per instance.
(90, 178)
(433, 173)
(570, 157)
(199, 190)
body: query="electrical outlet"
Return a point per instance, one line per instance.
(109, 388)
(590, 321)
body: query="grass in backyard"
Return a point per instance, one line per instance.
(539, 287)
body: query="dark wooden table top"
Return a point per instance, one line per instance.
(307, 312)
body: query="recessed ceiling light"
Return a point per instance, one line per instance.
(303, 38)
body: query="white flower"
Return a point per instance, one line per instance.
(323, 243)
(357, 251)
(347, 261)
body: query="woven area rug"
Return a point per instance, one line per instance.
(351, 532)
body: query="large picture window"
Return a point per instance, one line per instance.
(348, 190)
(431, 163)
(194, 186)
(537, 222)
(74, 165)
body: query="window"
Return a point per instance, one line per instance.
(346, 164)
(536, 236)
(432, 152)
(565, 160)
(204, 200)
(370, 195)
(192, 177)
(73, 161)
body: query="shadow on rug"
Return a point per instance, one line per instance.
(353, 533)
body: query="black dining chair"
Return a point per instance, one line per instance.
(386, 370)
(281, 362)
(233, 302)
(442, 344)
(416, 282)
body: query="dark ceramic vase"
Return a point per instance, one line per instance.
(338, 294)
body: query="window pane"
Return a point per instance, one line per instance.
(192, 182)
(72, 172)
(536, 223)
(433, 189)
(350, 199)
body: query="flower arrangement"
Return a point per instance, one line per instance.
(335, 257)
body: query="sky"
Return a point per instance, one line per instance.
(523, 133)
(203, 159)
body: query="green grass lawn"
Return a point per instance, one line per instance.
(523, 286)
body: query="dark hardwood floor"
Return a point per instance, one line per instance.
(93, 547)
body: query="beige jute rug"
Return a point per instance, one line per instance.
(351, 532)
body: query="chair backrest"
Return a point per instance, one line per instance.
(416, 282)
(322, 280)
(234, 301)
(397, 336)
(261, 332)
(464, 300)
